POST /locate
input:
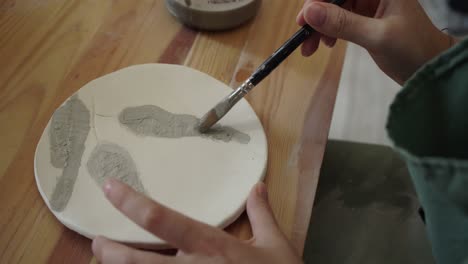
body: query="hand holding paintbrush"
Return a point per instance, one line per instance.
(223, 107)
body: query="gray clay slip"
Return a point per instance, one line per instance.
(68, 132)
(151, 120)
(108, 160)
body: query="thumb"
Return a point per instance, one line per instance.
(264, 227)
(337, 22)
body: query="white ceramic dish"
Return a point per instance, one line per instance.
(205, 179)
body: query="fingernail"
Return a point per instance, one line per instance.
(94, 245)
(315, 14)
(262, 191)
(107, 186)
(299, 16)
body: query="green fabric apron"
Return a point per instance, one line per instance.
(428, 124)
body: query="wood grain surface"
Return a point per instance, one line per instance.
(51, 48)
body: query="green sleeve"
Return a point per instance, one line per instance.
(428, 124)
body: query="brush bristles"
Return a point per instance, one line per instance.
(207, 121)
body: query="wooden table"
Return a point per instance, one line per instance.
(51, 48)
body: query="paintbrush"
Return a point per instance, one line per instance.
(223, 107)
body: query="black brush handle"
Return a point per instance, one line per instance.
(284, 51)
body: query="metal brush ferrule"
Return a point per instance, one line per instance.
(221, 109)
(240, 92)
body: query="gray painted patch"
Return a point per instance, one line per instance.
(68, 132)
(109, 160)
(151, 120)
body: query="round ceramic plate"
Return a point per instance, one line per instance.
(137, 124)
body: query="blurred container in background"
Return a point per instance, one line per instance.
(213, 14)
